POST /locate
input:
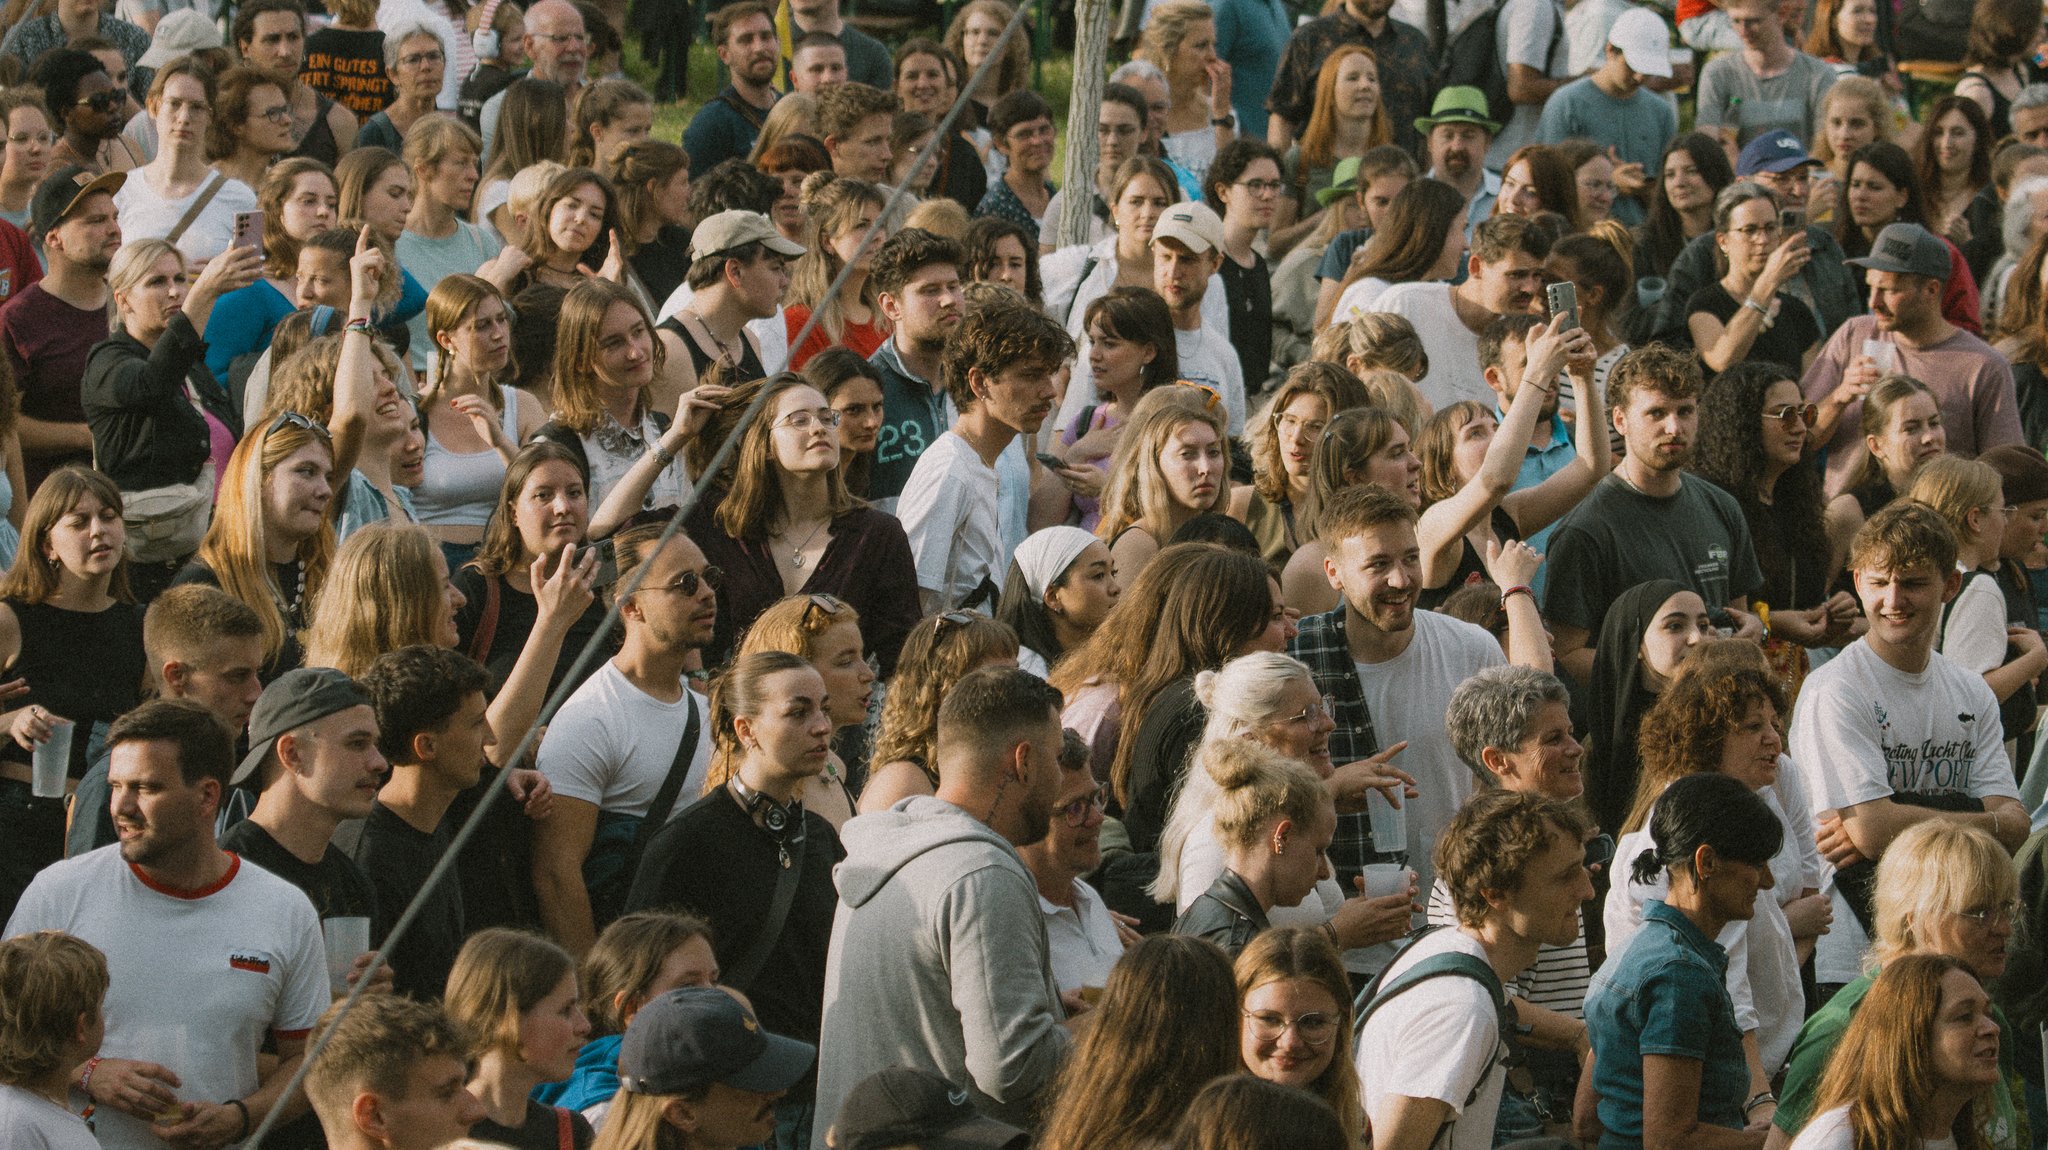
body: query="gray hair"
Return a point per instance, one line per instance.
(2030, 97)
(2018, 215)
(1147, 70)
(1734, 196)
(394, 43)
(1495, 707)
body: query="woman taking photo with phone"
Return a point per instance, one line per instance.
(1746, 314)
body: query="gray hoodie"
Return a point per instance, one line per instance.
(939, 962)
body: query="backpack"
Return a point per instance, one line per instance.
(1473, 59)
(1379, 991)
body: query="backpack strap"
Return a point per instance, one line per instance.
(213, 186)
(565, 1130)
(1087, 269)
(1380, 991)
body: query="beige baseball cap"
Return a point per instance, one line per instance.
(735, 229)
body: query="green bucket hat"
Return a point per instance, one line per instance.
(1458, 104)
(1343, 181)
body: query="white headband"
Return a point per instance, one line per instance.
(1047, 554)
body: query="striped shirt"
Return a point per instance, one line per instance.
(1557, 980)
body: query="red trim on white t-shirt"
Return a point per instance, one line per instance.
(218, 885)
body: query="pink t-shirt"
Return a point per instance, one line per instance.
(220, 443)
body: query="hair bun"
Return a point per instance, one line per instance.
(1205, 688)
(1232, 763)
(813, 184)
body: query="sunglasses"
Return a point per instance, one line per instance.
(1212, 398)
(105, 101)
(827, 605)
(689, 582)
(956, 619)
(303, 423)
(1794, 414)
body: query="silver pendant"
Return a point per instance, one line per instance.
(797, 559)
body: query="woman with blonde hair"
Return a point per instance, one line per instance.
(475, 419)
(1180, 40)
(1363, 445)
(1902, 432)
(939, 651)
(638, 958)
(1855, 111)
(1171, 464)
(970, 37)
(1264, 803)
(1945, 889)
(1970, 495)
(387, 588)
(825, 631)
(358, 400)
(72, 634)
(839, 214)
(517, 995)
(1295, 1000)
(1282, 442)
(1374, 341)
(533, 128)
(795, 115)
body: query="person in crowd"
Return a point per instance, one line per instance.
(998, 369)
(558, 44)
(66, 592)
(1161, 1030)
(1085, 939)
(387, 591)
(614, 112)
(1241, 1110)
(529, 607)
(1593, 176)
(1061, 585)
(1737, 318)
(1400, 51)
(1952, 161)
(1648, 635)
(299, 200)
(48, 328)
(1870, 784)
(971, 37)
(1599, 265)
(1348, 120)
(270, 36)
(1946, 892)
(853, 387)
(352, 391)
(1132, 351)
(1243, 187)
(1883, 190)
(1767, 84)
(1998, 63)
(737, 275)
(1505, 274)
(1971, 382)
(162, 420)
(1119, 126)
(1974, 635)
(825, 631)
(573, 219)
(1179, 39)
(998, 251)
(839, 214)
(377, 191)
(185, 1029)
(1723, 717)
(54, 1026)
(697, 1071)
(1171, 464)
(1857, 111)
(1691, 171)
(1458, 135)
(928, 78)
(743, 35)
(416, 59)
(1356, 208)
(853, 124)
(867, 59)
(27, 158)
(1262, 802)
(437, 242)
(917, 291)
(1296, 1001)
(2022, 221)
(1282, 444)
(474, 419)
(1187, 251)
(391, 1076)
(1375, 657)
(1515, 868)
(1535, 180)
(901, 1102)
(1368, 445)
(939, 651)
(1020, 126)
(345, 60)
(250, 128)
(652, 181)
(999, 1037)
(536, 131)
(1612, 108)
(817, 60)
(606, 780)
(1650, 518)
(637, 959)
(1667, 1051)
(771, 730)
(1902, 431)
(516, 995)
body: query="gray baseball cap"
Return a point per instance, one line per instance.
(300, 696)
(1909, 249)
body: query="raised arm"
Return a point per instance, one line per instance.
(355, 376)
(1535, 508)
(626, 496)
(562, 597)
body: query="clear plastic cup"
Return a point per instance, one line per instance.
(51, 761)
(347, 937)
(1389, 823)
(1650, 290)
(1383, 879)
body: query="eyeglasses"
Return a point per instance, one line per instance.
(1314, 1029)
(1212, 399)
(558, 37)
(1794, 414)
(1262, 187)
(1308, 427)
(689, 582)
(1077, 812)
(826, 605)
(805, 420)
(419, 58)
(1309, 714)
(24, 139)
(303, 423)
(1998, 917)
(281, 114)
(1755, 232)
(105, 101)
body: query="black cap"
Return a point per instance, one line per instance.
(300, 696)
(697, 1035)
(900, 1106)
(62, 191)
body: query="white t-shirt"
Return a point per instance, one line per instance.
(1974, 637)
(1830, 1131)
(146, 215)
(1406, 697)
(951, 511)
(460, 252)
(1360, 297)
(1082, 938)
(198, 978)
(1864, 730)
(609, 745)
(1763, 965)
(29, 1121)
(1207, 358)
(1452, 347)
(1556, 981)
(1531, 33)
(1439, 1039)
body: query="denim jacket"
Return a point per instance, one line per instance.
(1665, 993)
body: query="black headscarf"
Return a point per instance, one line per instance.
(1616, 701)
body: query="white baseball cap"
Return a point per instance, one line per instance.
(1192, 224)
(1643, 40)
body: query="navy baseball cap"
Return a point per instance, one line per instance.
(1775, 151)
(697, 1035)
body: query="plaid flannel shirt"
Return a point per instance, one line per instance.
(1322, 645)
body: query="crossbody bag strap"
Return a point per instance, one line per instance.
(740, 975)
(565, 1130)
(487, 623)
(205, 197)
(665, 798)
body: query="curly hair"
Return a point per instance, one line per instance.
(1730, 452)
(1491, 842)
(52, 978)
(998, 336)
(978, 250)
(1653, 367)
(1684, 733)
(938, 651)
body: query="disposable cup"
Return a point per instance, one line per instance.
(347, 937)
(1389, 823)
(51, 761)
(1650, 290)
(1383, 879)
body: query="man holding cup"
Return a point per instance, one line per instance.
(1904, 333)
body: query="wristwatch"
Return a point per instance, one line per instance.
(1227, 120)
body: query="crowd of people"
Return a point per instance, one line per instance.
(1486, 589)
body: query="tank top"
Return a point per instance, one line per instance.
(85, 690)
(318, 143)
(459, 488)
(748, 368)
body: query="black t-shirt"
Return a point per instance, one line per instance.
(1249, 292)
(292, 653)
(347, 66)
(661, 263)
(398, 858)
(714, 860)
(496, 867)
(337, 886)
(1785, 344)
(517, 613)
(542, 1130)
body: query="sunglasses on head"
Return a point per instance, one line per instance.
(826, 605)
(303, 423)
(1212, 398)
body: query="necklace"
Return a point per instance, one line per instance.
(796, 555)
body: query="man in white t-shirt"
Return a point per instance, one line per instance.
(1085, 940)
(1516, 867)
(1506, 276)
(1388, 672)
(1890, 732)
(1187, 251)
(208, 956)
(999, 366)
(617, 739)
